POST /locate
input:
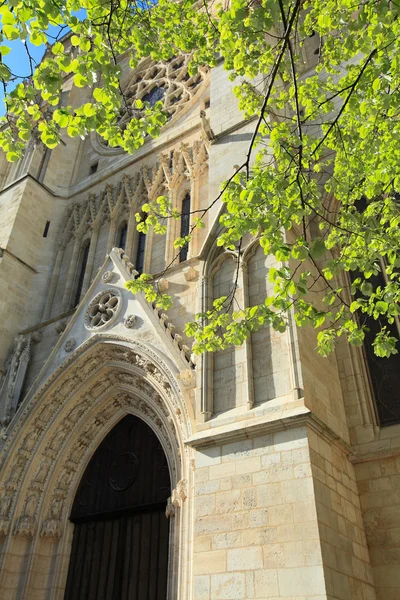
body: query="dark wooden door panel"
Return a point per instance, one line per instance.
(121, 559)
(121, 535)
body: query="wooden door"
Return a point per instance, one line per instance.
(121, 535)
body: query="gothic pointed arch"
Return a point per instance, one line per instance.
(120, 542)
(61, 425)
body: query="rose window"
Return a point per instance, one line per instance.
(155, 94)
(103, 309)
(166, 81)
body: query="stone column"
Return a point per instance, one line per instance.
(244, 276)
(194, 203)
(53, 284)
(130, 235)
(171, 230)
(90, 260)
(66, 305)
(206, 361)
(111, 234)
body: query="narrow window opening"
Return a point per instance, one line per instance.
(185, 226)
(123, 232)
(140, 252)
(83, 263)
(171, 159)
(93, 168)
(207, 104)
(46, 229)
(384, 373)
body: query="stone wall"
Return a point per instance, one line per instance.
(256, 531)
(379, 487)
(344, 546)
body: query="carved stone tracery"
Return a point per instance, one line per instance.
(103, 309)
(56, 393)
(187, 162)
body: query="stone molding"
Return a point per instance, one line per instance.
(65, 399)
(131, 190)
(257, 426)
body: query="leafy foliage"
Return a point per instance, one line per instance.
(326, 127)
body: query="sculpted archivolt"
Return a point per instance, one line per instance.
(63, 403)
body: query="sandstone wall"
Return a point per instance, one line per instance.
(379, 486)
(256, 531)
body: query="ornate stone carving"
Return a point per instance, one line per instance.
(42, 471)
(107, 276)
(103, 309)
(188, 377)
(70, 345)
(130, 321)
(162, 285)
(190, 274)
(152, 380)
(4, 526)
(170, 510)
(26, 524)
(37, 337)
(51, 528)
(179, 494)
(206, 127)
(14, 375)
(165, 81)
(187, 162)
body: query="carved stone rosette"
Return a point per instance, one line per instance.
(130, 321)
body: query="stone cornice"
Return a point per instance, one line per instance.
(300, 417)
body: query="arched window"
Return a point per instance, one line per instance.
(121, 533)
(141, 246)
(82, 268)
(185, 226)
(123, 232)
(384, 373)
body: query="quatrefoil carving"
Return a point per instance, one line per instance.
(103, 310)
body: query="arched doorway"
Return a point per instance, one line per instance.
(121, 534)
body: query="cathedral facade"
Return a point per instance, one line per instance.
(131, 469)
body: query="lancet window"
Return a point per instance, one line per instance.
(122, 237)
(141, 246)
(82, 268)
(185, 226)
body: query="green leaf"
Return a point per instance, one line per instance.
(318, 249)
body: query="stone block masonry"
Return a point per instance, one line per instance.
(256, 530)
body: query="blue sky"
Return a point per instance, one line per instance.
(17, 60)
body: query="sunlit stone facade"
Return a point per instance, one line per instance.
(283, 483)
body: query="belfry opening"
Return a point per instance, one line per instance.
(120, 544)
